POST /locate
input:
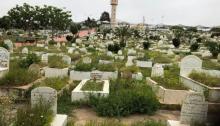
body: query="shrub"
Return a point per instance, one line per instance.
(162, 59)
(114, 48)
(146, 45)
(122, 44)
(30, 59)
(205, 79)
(214, 48)
(106, 67)
(194, 47)
(18, 77)
(2, 44)
(56, 62)
(51, 42)
(39, 115)
(55, 83)
(69, 38)
(93, 86)
(105, 57)
(176, 42)
(80, 66)
(126, 97)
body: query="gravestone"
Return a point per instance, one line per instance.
(157, 71)
(190, 63)
(194, 109)
(206, 54)
(67, 59)
(109, 53)
(218, 57)
(58, 45)
(45, 94)
(70, 50)
(4, 58)
(87, 60)
(120, 52)
(9, 43)
(24, 50)
(96, 75)
(44, 58)
(34, 68)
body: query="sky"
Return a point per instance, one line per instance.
(172, 12)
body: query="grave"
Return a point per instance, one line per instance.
(48, 95)
(190, 63)
(194, 110)
(4, 61)
(24, 50)
(157, 71)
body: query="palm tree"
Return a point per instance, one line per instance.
(122, 33)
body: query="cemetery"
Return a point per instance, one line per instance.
(55, 71)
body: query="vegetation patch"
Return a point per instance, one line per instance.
(211, 65)
(106, 67)
(92, 85)
(205, 79)
(170, 79)
(56, 62)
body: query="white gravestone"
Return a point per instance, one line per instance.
(157, 71)
(24, 50)
(96, 75)
(4, 58)
(47, 94)
(44, 58)
(194, 109)
(87, 60)
(190, 63)
(9, 44)
(67, 59)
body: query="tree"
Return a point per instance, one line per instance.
(214, 48)
(176, 42)
(194, 46)
(123, 33)
(105, 16)
(5, 22)
(146, 45)
(90, 23)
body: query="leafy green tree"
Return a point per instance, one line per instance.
(5, 22)
(123, 33)
(105, 16)
(176, 42)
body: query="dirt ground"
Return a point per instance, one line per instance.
(83, 115)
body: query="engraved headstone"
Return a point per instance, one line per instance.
(190, 63)
(157, 71)
(4, 58)
(194, 109)
(96, 75)
(47, 95)
(87, 60)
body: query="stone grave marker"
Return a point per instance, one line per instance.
(24, 50)
(190, 63)
(47, 95)
(157, 71)
(44, 58)
(194, 109)
(4, 58)
(35, 68)
(67, 59)
(87, 60)
(96, 75)
(9, 43)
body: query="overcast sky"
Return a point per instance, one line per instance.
(187, 12)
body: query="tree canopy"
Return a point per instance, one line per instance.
(105, 16)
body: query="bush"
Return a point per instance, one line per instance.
(39, 115)
(126, 97)
(106, 67)
(194, 47)
(56, 62)
(114, 48)
(176, 42)
(51, 42)
(122, 44)
(69, 38)
(30, 59)
(146, 45)
(214, 48)
(54, 82)
(80, 66)
(18, 77)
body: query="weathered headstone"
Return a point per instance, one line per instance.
(96, 75)
(190, 63)
(9, 43)
(44, 58)
(194, 109)
(24, 50)
(67, 59)
(157, 71)
(34, 68)
(45, 94)
(4, 58)
(87, 60)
